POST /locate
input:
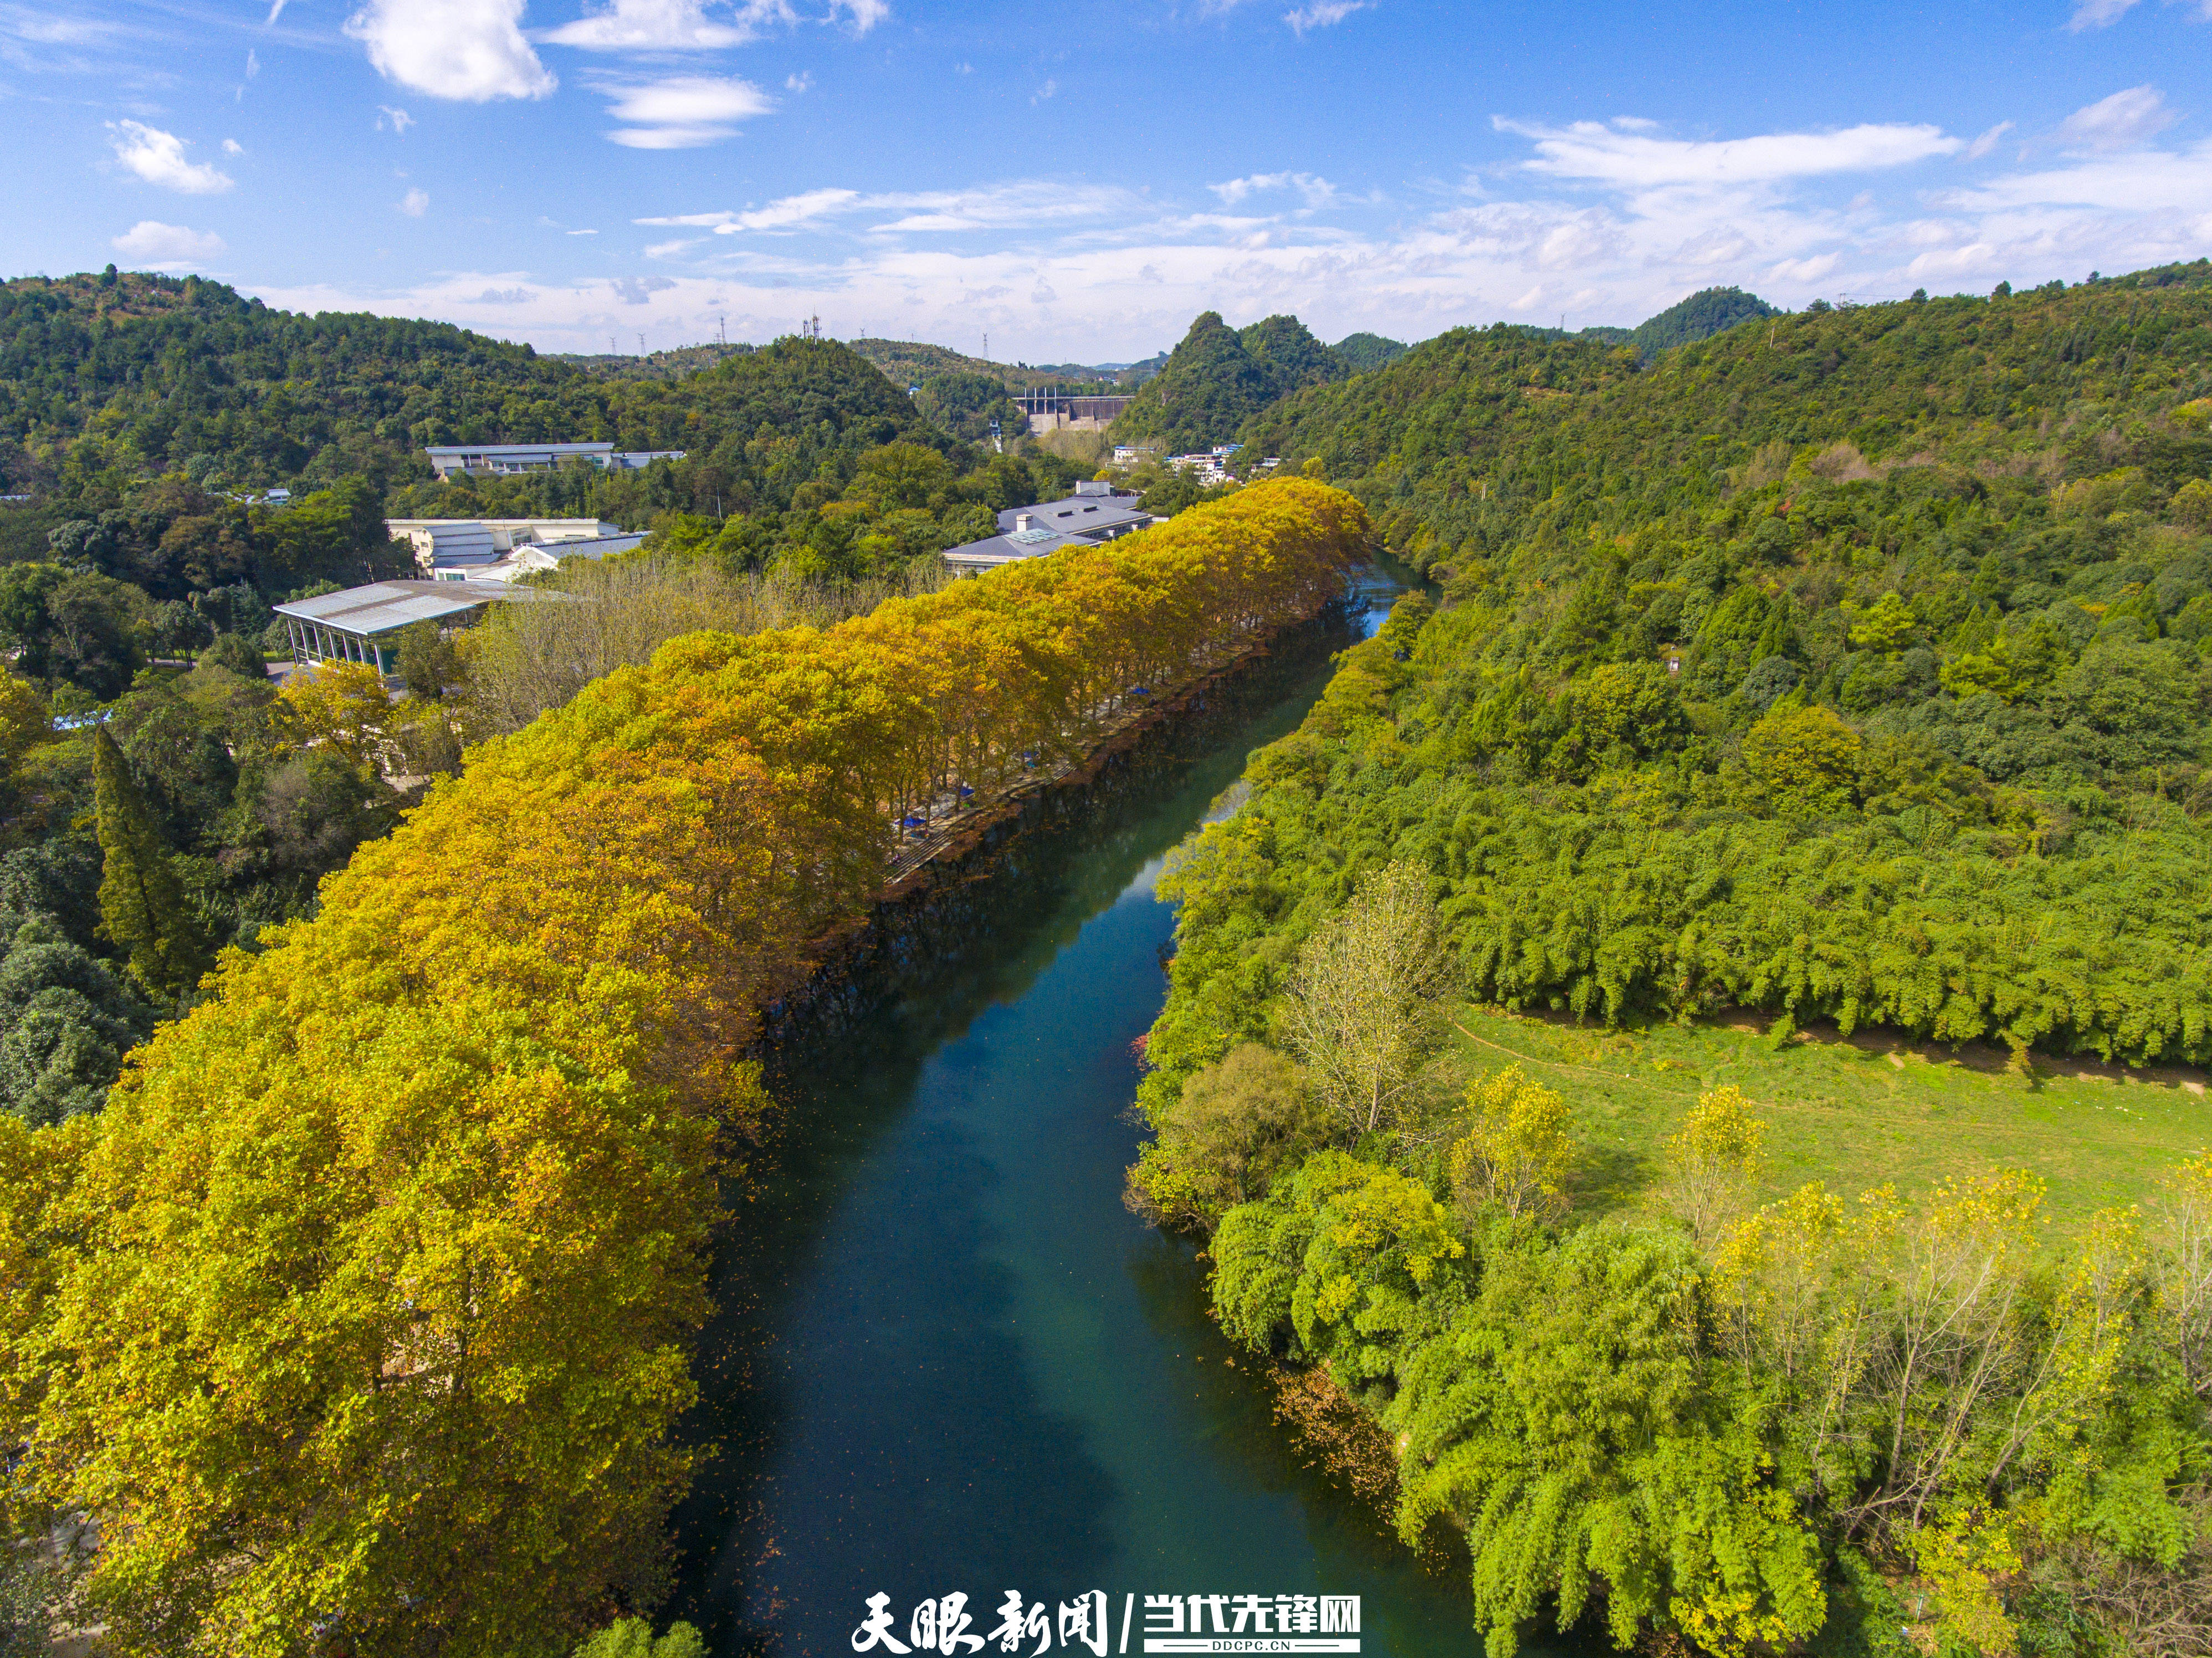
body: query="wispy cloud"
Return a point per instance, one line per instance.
(397, 119)
(1608, 156)
(157, 244)
(1317, 190)
(681, 111)
(415, 204)
(669, 26)
(2098, 14)
(1323, 14)
(2125, 119)
(158, 157)
(790, 210)
(1988, 141)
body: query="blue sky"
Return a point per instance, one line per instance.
(1078, 182)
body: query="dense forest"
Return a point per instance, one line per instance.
(1218, 377)
(1849, 665)
(1361, 352)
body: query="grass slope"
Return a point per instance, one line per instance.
(1876, 1109)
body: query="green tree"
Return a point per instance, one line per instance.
(142, 903)
(633, 1637)
(1234, 1128)
(1805, 758)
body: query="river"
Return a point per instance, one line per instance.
(949, 1360)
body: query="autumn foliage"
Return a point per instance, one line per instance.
(359, 1318)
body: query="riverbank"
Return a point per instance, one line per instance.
(968, 848)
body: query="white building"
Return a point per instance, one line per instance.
(363, 624)
(461, 543)
(500, 460)
(1095, 512)
(541, 555)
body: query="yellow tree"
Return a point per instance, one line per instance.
(1711, 1161)
(1518, 1152)
(344, 704)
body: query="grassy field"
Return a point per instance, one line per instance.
(1874, 1109)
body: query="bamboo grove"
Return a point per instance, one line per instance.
(357, 1321)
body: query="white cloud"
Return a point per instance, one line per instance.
(582, 233)
(2098, 14)
(683, 110)
(801, 82)
(2159, 182)
(668, 25)
(1804, 271)
(2123, 119)
(1091, 272)
(276, 11)
(1988, 141)
(252, 63)
(1630, 160)
(690, 26)
(397, 119)
(639, 290)
(159, 244)
(515, 296)
(1317, 190)
(1044, 92)
(468, 50)
(232, 147)
(415, 204)
(158, 157)
(778, 214)
(688, 218)
(1321, 14)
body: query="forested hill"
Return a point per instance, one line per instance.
(1846, 665)
(1218, 377)
(1361, 352)
(1714, 310)
(157, 370)
(1456, 441)
(141, 375)
(1851, 666)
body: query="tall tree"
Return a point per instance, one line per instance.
(142, 904)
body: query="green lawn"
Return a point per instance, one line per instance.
(1877, 1108)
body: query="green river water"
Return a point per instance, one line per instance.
(949, 1360)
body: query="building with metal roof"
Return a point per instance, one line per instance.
(978, 556)
(458, 544)
(1095, 512)
(501, 459)
(363, 624)
(531, 557)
